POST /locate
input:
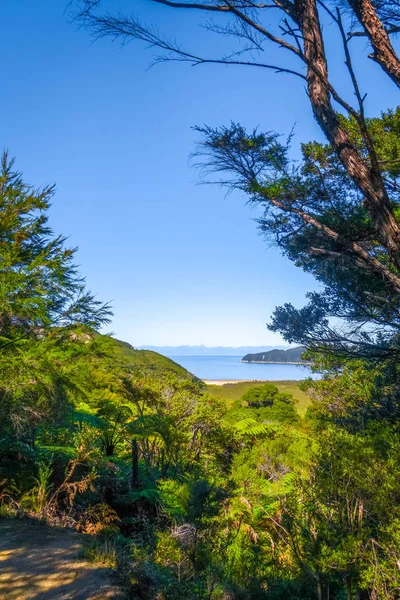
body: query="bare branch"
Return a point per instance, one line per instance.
(242, 31)
(212, 7)
(241, 15)
(127, 28)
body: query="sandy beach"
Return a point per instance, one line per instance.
(227, 381)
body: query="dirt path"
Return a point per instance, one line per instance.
(42, 563)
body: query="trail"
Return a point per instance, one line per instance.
(38, 562)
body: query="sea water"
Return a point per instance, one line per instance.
(231, 368)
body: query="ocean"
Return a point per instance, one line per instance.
(231, 368)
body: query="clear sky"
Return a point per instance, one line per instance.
(181, 263)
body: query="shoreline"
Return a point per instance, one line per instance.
(273, 362)
(231, 381)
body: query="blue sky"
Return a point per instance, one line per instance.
(181, 263)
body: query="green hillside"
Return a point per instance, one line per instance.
(148, 361)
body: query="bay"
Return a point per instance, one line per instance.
(230, 368)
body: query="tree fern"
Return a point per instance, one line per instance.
(250, 428)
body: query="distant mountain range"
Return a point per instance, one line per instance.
(291, 355)
(209, 351)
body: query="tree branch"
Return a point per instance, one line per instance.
(210, 7)
(384, 53)
(375, 265)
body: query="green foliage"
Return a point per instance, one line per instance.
(250, 428)
(36, 499)
(148, 362)
(263, 395)
(40, 286)
(102, 549)
(191, 492)
(314, 211)
(264, 404)
(46, 313)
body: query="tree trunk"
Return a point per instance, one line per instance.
(135, 465)
(349, 589)
(319, 589)
(384, 53)
(368, 180)
(109, 450)
(33, 437)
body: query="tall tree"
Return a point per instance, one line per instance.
(40, 287)
(314, 212)
(46, 312)
(336, 216)
(301, 22)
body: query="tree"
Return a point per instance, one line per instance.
(301, 22)
(331, 517)
(264, 395)
(338, 212)
(316, 215)
(40, 287)
(46, 314)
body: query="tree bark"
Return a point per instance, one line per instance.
(368, 181)
(384, 53)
